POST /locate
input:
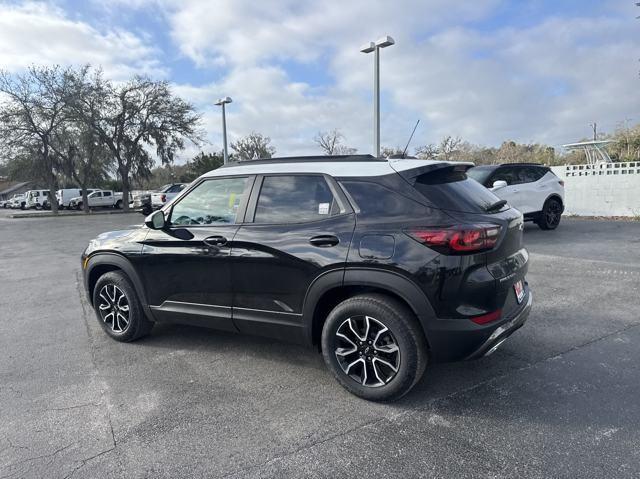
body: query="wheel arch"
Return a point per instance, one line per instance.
(333, 287)
(102, 263)
(554, 196)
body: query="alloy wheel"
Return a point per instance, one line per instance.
(553, 213)
(114, 308)
(367, 351)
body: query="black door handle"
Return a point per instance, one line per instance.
(324, 241)
(214, 241)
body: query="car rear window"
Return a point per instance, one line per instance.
(451, 189)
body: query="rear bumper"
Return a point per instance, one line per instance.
(502, 332)
(461, 339)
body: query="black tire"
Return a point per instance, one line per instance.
(405, 333)
(78, 206)
(550, 215)
(137, 324)
(146, 210)
(118, 205)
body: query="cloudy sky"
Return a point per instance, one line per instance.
(484, 70)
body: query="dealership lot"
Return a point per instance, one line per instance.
(560, 398)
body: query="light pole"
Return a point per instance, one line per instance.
(368, 48)
(222, 102)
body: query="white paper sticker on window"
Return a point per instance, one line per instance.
(323, 208)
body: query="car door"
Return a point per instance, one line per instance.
(534, 191)
(185, 266)
(298, 226)
(511, 192)
(107, 198)
(95, 199)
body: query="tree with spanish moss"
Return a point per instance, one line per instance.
(32, 111)
(134, 120)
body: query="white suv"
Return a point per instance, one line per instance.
(529, 187)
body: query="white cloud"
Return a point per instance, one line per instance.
(38, 33)
(540, 83)
(543, 82)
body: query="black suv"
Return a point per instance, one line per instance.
(384, 265)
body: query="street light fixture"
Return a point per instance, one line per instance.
(375, 47)
(222, 102)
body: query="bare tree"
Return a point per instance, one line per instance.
(253, 146)
(388, 151)
(449, 146)
(331, 142)
(32, 112)
(427, 152)
(132, 119)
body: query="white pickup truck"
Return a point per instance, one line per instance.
(99, 199)
(166, 194)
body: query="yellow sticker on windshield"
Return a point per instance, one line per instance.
(232, 200)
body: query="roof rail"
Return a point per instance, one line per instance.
(524, 163)
(304, 159)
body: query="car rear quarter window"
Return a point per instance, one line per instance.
(294, 199)
(373, 199)
(529, 174)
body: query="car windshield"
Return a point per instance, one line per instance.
(164, 188)
(480, 173)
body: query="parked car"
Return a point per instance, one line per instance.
(65, 195)
(529, 187)
(35, 198)
(17, 202)
(141, 202)
(99, 199)
(383, 265)
(166, 194)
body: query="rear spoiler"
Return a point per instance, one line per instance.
(411, 174)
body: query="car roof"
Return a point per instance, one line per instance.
(344, 166)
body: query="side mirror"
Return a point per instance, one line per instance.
(498, 184)
(155, 220)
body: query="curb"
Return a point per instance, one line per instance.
(61, 214)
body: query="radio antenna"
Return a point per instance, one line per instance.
(410, 138)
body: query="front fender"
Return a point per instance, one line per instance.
(111, 261)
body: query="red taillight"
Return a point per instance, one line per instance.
(487, 318)
(163, 198)
(458, 239)
(561, 182)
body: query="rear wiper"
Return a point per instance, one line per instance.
(496, 206)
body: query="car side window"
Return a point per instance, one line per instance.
(378, 201)
(212, 202)
(532, 173)
(107, 193)
(508, 174)
(294, 199)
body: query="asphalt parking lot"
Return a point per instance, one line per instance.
(560, 399)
